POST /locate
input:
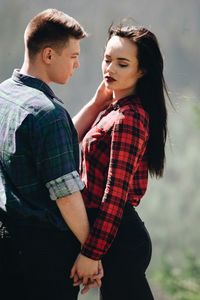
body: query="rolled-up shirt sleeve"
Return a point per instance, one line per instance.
(64, 185)
(57, 155)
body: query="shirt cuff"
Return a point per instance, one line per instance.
(65, 185)
(91, 253)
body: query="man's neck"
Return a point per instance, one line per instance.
(34, 70)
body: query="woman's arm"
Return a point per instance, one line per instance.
(127, 145)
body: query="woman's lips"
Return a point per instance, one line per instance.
(109, 79)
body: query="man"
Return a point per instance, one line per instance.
(43, 218)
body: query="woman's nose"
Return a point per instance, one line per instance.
(111, 68)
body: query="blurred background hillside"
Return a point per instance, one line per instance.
(171, 207)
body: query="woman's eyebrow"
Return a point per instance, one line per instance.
(118, 58)
(123, 58)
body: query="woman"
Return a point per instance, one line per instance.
(126, 142)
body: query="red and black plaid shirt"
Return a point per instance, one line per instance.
(114, 169)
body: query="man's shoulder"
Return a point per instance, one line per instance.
(24, 97)
(22, 100)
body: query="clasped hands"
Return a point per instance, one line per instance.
(86, 272)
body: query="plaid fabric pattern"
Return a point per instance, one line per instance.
(69, 184)
(114, 169)
(39, 149)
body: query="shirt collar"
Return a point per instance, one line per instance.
(34, 83)
(131, 99)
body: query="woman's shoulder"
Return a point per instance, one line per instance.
(133, 109)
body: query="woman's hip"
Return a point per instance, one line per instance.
(132, 244)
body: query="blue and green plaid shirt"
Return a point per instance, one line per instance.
(39, 152)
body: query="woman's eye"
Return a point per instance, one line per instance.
(123, 66)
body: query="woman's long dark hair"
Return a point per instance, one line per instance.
(151, 88)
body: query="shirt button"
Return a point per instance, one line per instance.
(116, 106)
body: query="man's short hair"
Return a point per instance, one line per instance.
(51, 28)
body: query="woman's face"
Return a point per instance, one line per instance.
(120, 66)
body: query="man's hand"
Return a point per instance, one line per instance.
(82, 271)
(84, 268)
(103, 96)
(95, 281)
(88, 114)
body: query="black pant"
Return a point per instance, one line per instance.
(36, 264)
(127, 260)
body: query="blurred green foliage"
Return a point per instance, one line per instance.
(183, 283)
(196, 109)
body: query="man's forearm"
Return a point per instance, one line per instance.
(74, 213)
(85, 118)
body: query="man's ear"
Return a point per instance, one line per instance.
(47, 55)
